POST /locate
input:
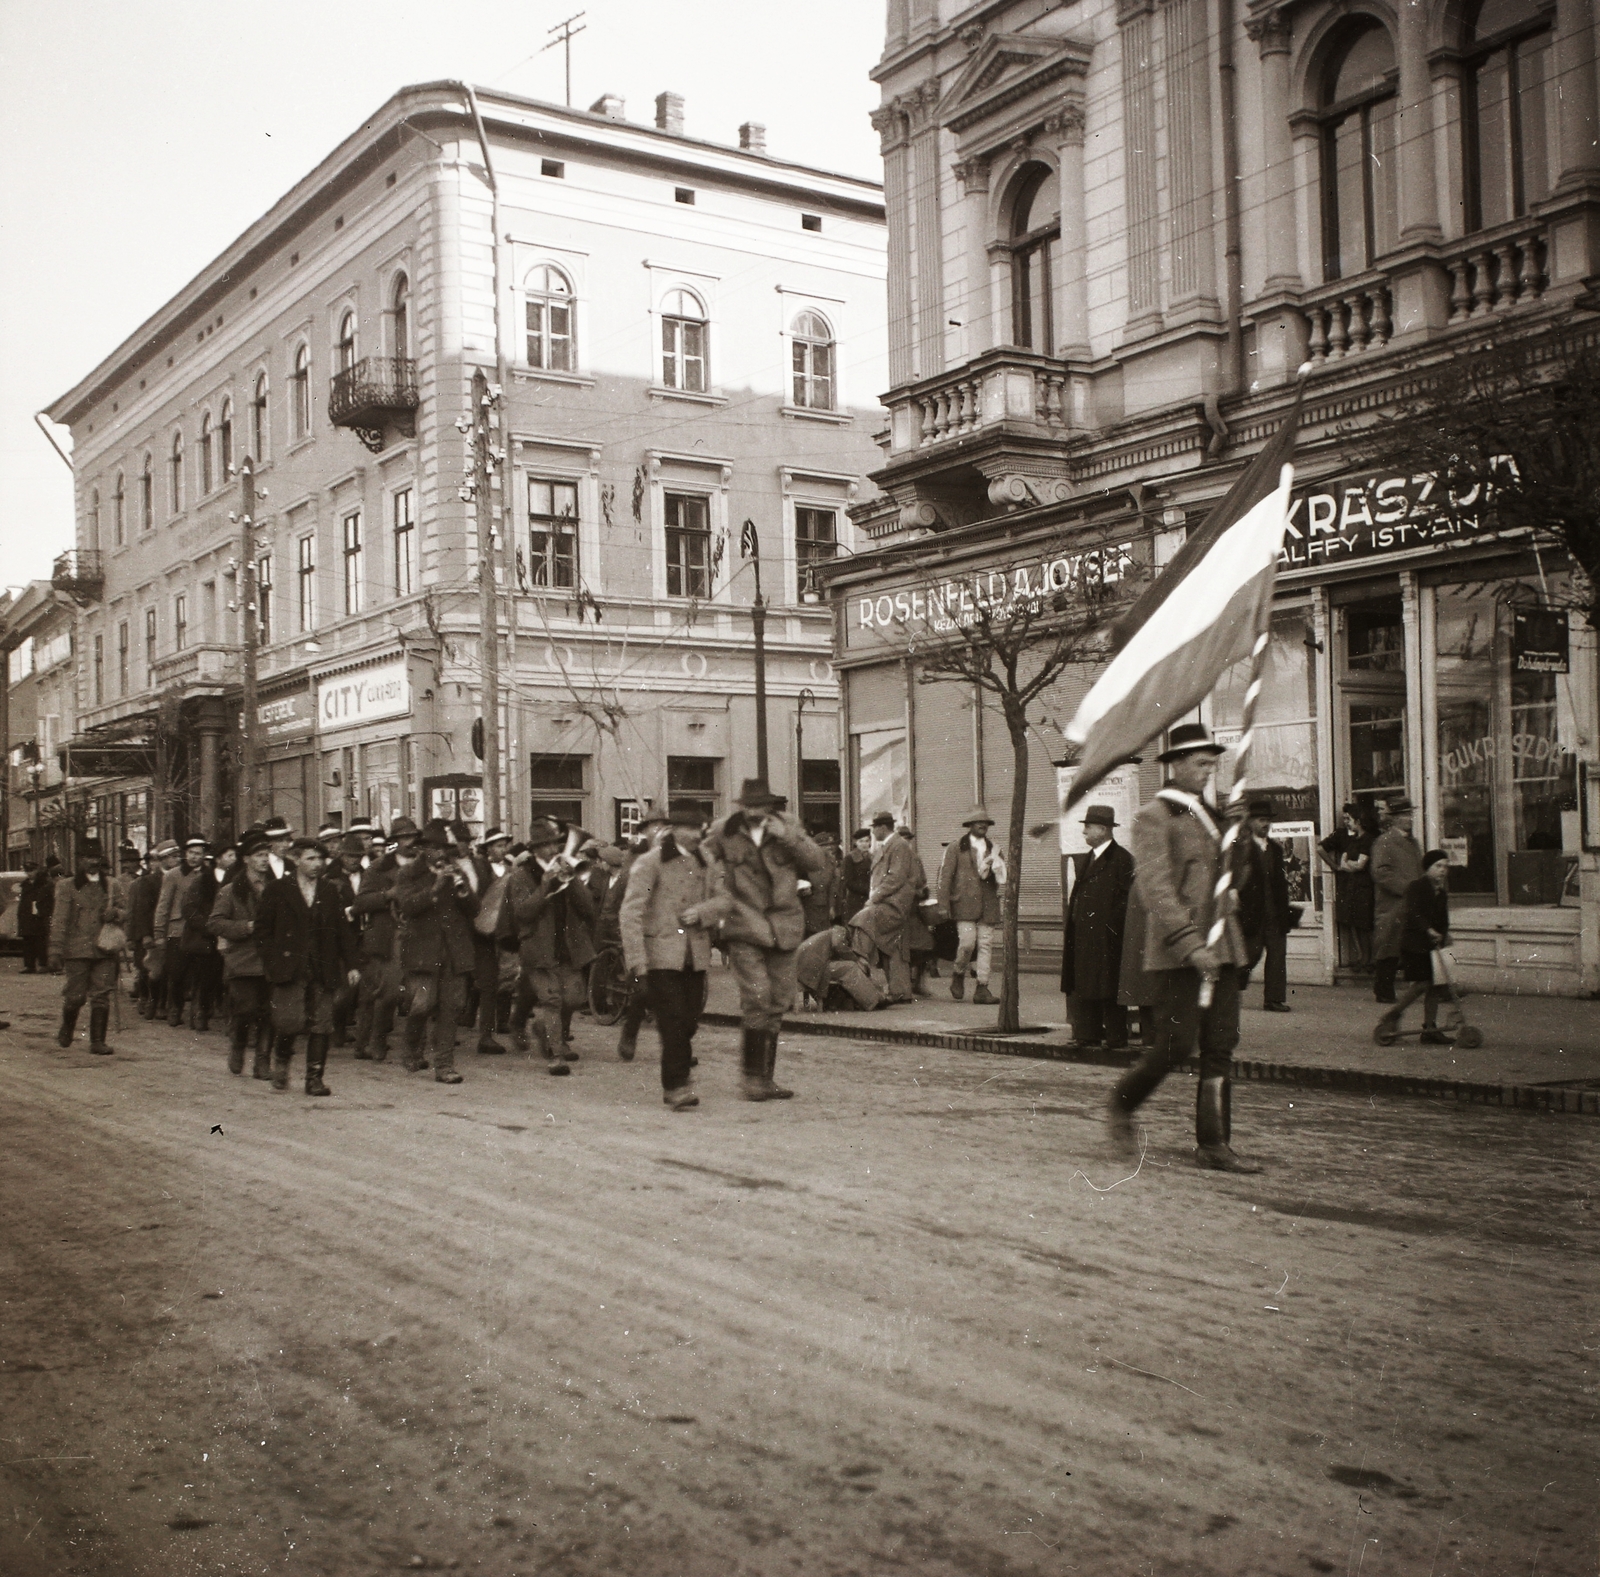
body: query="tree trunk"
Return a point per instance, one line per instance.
(1011, 896)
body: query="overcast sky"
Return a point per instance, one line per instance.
(143, 136)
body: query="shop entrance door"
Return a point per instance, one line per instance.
(1370, 753)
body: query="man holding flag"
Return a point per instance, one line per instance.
(1162, 669)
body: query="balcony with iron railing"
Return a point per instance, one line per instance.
(377, 393)
(80, 573)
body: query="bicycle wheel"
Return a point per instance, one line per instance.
(608, 986)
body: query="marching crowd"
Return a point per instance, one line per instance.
(331, 938)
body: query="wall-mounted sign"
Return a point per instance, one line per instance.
(366, 696)
(1539, 641)
(286, 717)
(1361, 517)
(939, 605)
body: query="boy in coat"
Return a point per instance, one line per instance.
(308, 952)
(673, 897)
(1425, 927)
(90, 900)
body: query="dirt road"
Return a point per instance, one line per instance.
(914, 1322)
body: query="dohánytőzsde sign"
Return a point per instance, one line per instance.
(1367, 516)
(365, 696)
(941, 605)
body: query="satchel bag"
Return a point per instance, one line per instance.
(111, 939)
(1444, 967)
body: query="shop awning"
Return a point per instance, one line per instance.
(94, 758)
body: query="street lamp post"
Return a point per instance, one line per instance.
(800, 749)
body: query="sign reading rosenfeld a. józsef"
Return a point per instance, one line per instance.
(366, 696)
(948, 603)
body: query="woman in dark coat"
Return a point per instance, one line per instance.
(1348, 853)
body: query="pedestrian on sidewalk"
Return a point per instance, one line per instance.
(764, 855)
(84, 908)
(1091, 951)
(1396, 864)
(834, 974)
(308, 951)
(436, 906)
(551, 914)
(1424, 928)
(889, 904)
(855, 874)
(234, 917)
(970, 878)
(373, 916)
(819, 894)
(1349, 853)
(36, 902)
(1262, 885)
(1177, 851)
(674, 896)
(647, 833)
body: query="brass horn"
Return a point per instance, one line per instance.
(567, 861)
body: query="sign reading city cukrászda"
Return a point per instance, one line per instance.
(365, 696)
(941, 605)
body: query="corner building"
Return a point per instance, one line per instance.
(1115, 232)
(686, 335)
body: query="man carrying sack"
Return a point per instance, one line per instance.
(764, 856)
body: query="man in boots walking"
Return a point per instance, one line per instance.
(970, 879)
(83, 905)
(764, 856)
(649, 832)
(551, 914)
(1177, 851)
(308, 951)
(234, 918)
(380, 969)
(436, 904)
(489, 873)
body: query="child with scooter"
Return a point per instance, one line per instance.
(1425, 931)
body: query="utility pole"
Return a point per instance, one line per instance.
(249, 750)
(568, 32)
(483, 493)
(750, 548)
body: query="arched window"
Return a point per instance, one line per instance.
(346, 347)
(225, 442)
(1505, 119)
(175, 465)
(812, 339)
(1357, 110)
(258, 417)
(683, 342)
(1035, 241)
(94, 518)
(119, 511)
(400, 316)
(206, 479)
(549, 320)
(300, 391)
(147, 494)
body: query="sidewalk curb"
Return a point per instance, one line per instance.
(1529, 1097)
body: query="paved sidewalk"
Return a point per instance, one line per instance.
(1548, 1044)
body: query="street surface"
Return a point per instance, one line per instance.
(915, 1322)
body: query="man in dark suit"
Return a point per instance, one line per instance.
(1264, 914)
(1091, 954)
(437, 906)
(308, 951)
(380, 970)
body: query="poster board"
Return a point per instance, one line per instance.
(1298, 841)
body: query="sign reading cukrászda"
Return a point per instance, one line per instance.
(365, 696)
(941, 605)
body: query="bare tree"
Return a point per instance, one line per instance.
(1510, 430)
(1013, 646)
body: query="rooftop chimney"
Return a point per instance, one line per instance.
(610, 105)
(669, 113)
(753, 137)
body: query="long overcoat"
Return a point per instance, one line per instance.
(1097, 917)
(893, 893)
(1396, 863)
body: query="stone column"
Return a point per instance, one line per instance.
(1577, 124)
(211, 723)
(1419, 191)
(1139, 166)
(890, 123)
(1270, 34)
(1195, 204)
(1065, 129)
(978, 315)
(927, 174)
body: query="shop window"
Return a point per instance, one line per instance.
(458, 797)
(1506, 153)
(1359, 146)
(553, 532)
(1034, 241)
(629, 813)
(1375, 637)
(694, 780)
(558, 787)
(882, 773)
(688, 544)
(820, 795)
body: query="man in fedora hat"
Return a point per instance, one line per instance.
(1396, 864)
(1177, 851)
(764, 856)
(890, 900)
(970, 878)
(1097, 915)
(379, 990)
(672, 900)
(149, 951)
(436, 905)
(1262, 884)
(647, 833)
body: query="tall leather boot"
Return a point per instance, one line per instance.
(488, 1046)
(238, 1038)
(69, 1026)
(316, 1061)
(775, 1092)
(564, 1050)
(261, 1062)
(753, 1082)
(415, 1033)
(99, 1017)
(1212, 1121)
(282, 1053)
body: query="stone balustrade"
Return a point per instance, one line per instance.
(1497, 270)
(1002, 386)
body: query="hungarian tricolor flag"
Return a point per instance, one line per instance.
(1201, 614)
